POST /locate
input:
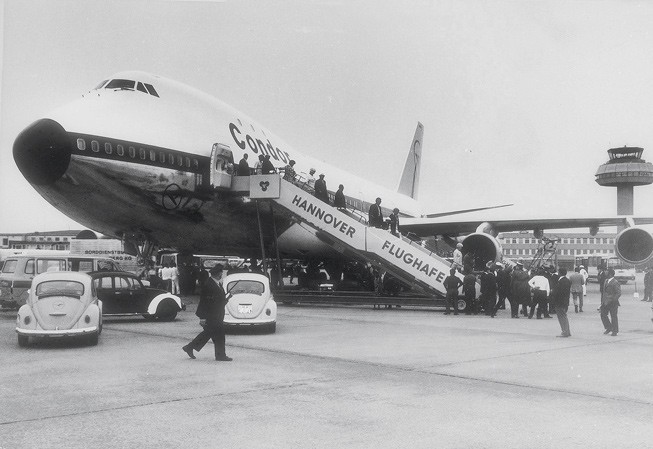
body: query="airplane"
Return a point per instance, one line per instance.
(147, 159)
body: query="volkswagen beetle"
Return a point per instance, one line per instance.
(60, 304)
(251, 303)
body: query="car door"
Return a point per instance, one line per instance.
(139, 298)
(105, 293)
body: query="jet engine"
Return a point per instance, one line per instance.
(484, 245)
(634, 245)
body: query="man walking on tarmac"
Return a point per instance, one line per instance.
(210, 311)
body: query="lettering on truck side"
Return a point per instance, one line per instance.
(324, 216)
(414, 262)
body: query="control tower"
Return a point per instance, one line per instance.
(625, 170)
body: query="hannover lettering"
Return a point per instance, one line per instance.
(324, 216)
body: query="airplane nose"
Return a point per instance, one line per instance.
(42, 152)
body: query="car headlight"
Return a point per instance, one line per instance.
(268, 312)
(87, 319)
(27, 320)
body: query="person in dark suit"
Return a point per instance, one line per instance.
(267, 166)
(610, 303)
(394, 222)
(339, 199)
(320, 189)
(560, 300)
(375, 215)
(243, 166)
(210, 311)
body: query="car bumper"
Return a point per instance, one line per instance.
(41, 333)
(248, 323)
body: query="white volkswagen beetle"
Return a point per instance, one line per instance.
(251, 302)
(60, 304)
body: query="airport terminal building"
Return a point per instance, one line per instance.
(567, 245)
(50, 240)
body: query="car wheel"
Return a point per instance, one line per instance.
(462, 304)
(23, 340)
(167, 310)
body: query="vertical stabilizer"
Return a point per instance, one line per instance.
(409, 183)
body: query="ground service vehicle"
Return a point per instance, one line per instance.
(124, 294)
(19, 270)
(251, 303)
(60, 304)
(594, 262)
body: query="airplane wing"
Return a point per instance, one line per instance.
(444, 226)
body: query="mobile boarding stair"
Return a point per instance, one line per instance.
(344, 231)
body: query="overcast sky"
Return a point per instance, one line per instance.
(520, 100)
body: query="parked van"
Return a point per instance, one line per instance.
(19, 270)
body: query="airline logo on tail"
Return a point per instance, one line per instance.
(409, 183)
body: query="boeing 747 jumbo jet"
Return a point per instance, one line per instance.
(149, 160)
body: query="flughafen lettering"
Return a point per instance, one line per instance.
(412, 261)
(324, 216)
(257, 145)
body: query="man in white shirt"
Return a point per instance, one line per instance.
(458, 257)
(586, 275)
(310, 178)
(540, 287)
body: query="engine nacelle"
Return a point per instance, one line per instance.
(485, 248)
(634, 245)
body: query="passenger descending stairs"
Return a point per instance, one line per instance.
(399, 256)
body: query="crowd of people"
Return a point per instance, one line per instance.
(539, 293)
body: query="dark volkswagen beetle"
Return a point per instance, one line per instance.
(124, 294)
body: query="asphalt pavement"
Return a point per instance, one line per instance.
(339, 376)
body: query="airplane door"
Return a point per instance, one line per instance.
(222, 165)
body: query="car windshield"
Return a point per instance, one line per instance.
(246, 286)
(60, 288)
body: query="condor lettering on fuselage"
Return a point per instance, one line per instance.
(257, 145)
(413, 261)
(324, 216)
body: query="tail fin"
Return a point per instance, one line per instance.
(409, 183)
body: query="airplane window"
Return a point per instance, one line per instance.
(132, 152)
(120, 150)
(151, 90)
(140, 87)
(141, 153)
(95, 146)
(120, 84)
(81, 144)
(99, 86)
(107, 148)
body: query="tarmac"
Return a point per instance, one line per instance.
(340, 376)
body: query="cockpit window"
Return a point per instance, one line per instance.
(151, 90)
(120, 84)
(123, 84)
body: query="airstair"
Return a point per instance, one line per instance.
(347, 232)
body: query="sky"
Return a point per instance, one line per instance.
(520, 100)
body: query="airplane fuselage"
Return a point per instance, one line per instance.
(139, 162)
